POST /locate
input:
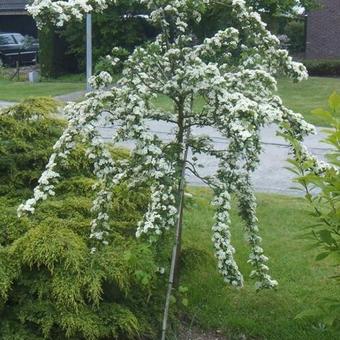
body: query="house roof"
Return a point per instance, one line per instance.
(8, 7)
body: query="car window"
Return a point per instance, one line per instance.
(19, 38)
(6, 39)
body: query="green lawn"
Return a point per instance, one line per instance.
(16, 91)
(302, 97)
(308, 95)
(268, 314)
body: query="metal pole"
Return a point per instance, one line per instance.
(88, 50)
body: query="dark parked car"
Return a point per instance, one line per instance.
(15, 47)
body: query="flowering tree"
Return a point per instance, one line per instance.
(233, 72)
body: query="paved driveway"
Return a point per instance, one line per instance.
(271, 176)
(4, 104)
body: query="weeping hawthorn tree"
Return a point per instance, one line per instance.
(233, 72)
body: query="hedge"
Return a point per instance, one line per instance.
(323, 68)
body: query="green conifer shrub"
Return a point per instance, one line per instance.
(51, 285)
(27, 132)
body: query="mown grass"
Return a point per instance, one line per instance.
(17, 91)
(308, 95)
(303, 282)
(300, 97)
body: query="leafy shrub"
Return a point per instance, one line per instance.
(323, 68)
(106, 63)
(26, 134)
(323, 194)
(53, 57)
(51, 285)
(295, 30)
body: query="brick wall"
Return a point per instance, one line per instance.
(323, 31)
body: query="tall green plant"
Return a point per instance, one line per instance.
(322, 191)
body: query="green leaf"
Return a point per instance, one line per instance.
(326, 237)
(329, 319)
(185, 302)
(183, 289)
(322, 256)
(322, 113)
(309, 313)
(334, 101)
(172, 299)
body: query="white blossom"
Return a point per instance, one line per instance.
(239, 99)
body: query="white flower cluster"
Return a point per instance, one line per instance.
(102, 80)
(61, 11)
(161, 213)
(247, 206)
(62, 149)
(233, 72)
(221, 238)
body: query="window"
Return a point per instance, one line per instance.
(7, 39)
(19, 38)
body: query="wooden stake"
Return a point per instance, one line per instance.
(176, 248)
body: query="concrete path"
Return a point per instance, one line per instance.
(271, 176)
(71, 97)
(4, 104)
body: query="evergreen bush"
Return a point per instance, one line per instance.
(54, 58)
(296, 32)
(323, 68)
(26, 132)
(51, 285)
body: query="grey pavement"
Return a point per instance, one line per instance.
(271, 175)
(71, 97)
(4, 104)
